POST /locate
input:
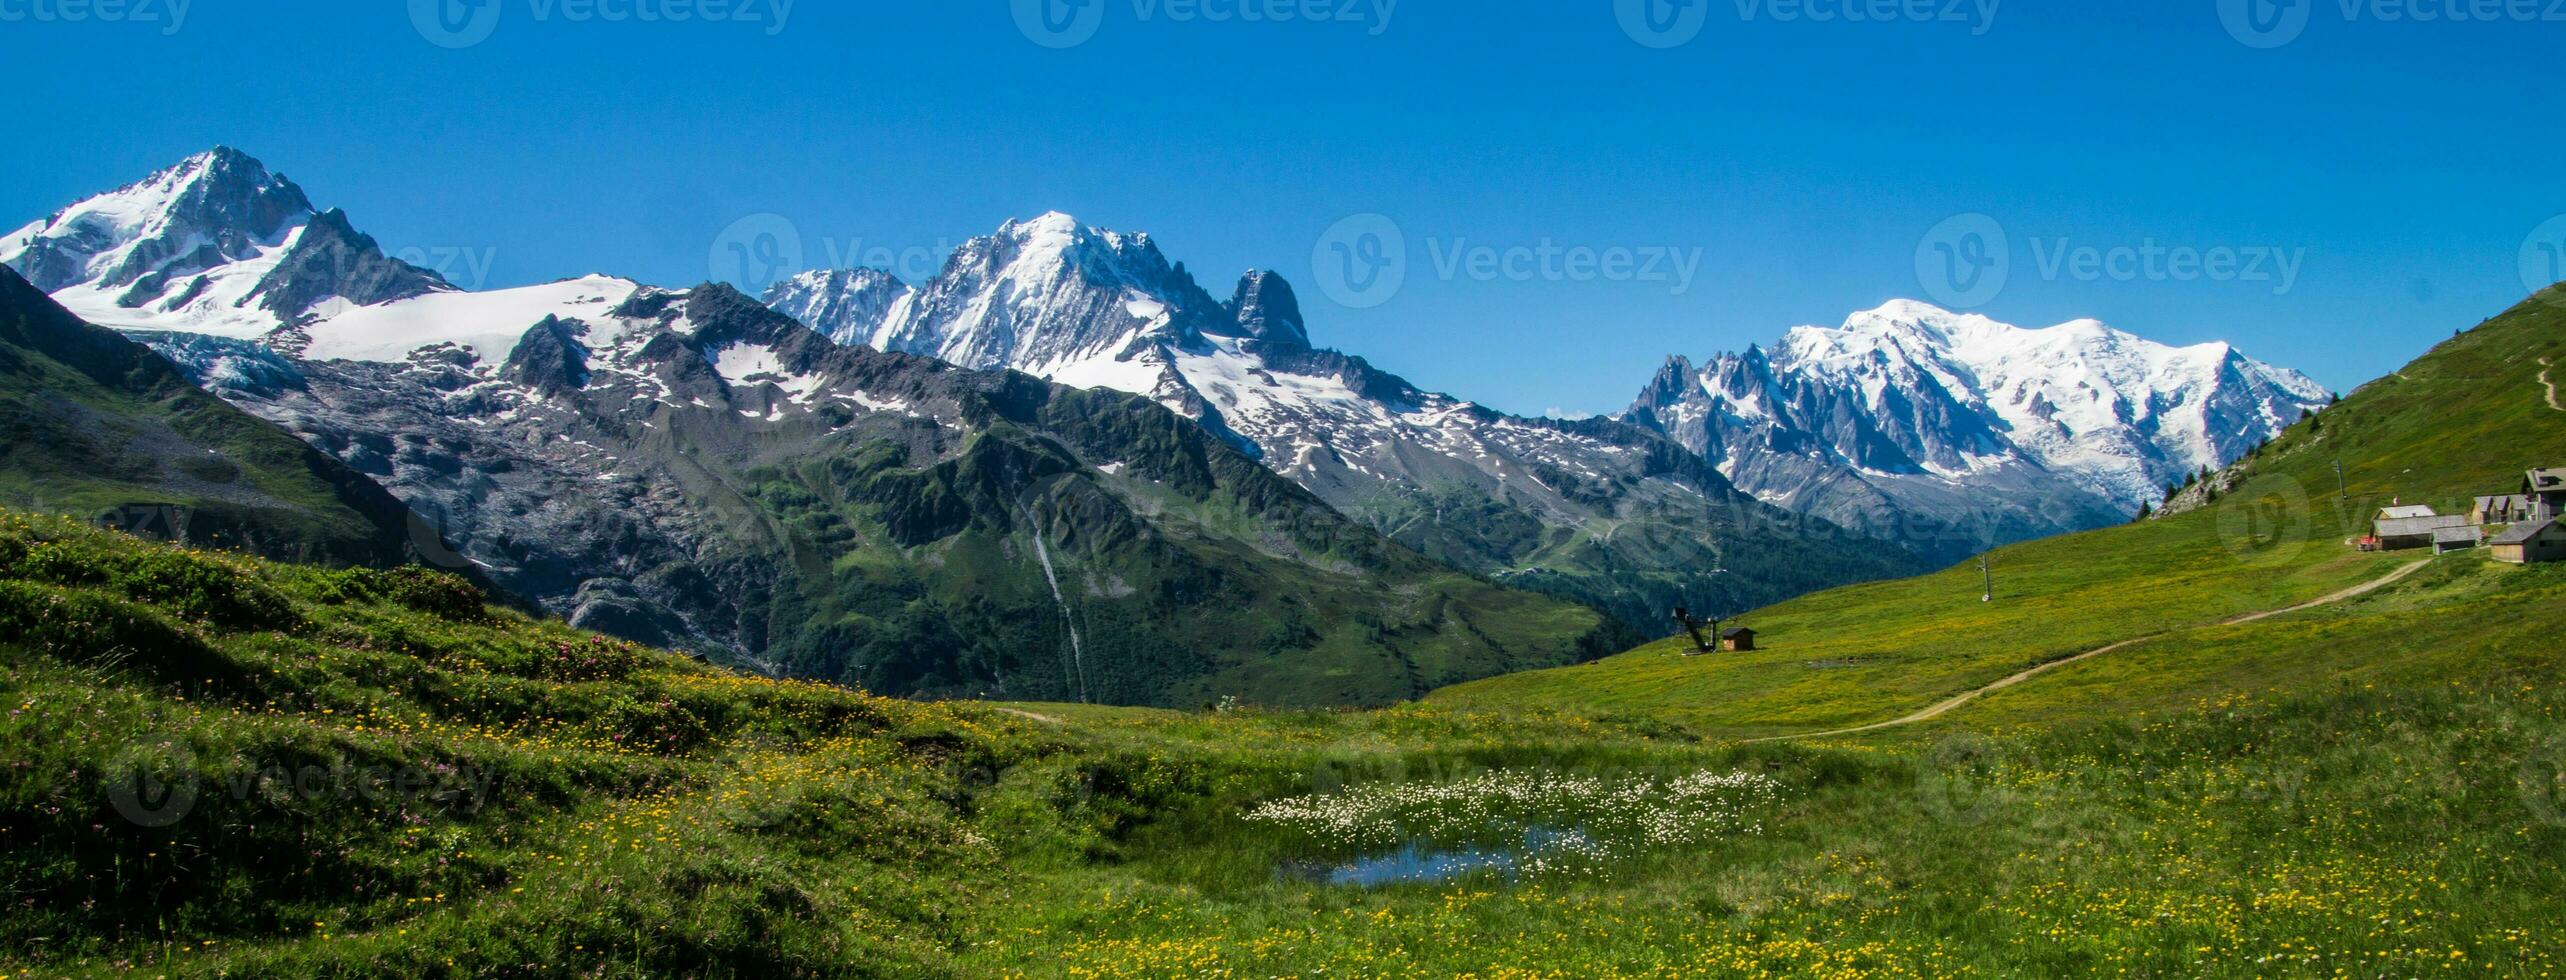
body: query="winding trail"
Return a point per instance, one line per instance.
(1030, 716)
(1956, 701)
(2550, 385)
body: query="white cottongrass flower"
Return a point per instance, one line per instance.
(1562, 823)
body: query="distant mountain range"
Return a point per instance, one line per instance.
(687, 467)
(1954, 432)
(854, 489)
(1610, 514)
(1939, 432)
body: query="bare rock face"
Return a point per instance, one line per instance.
(1266, 310)
(331, 260)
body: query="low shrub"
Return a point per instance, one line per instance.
(193, 585)
(87, 628)
(441, 594)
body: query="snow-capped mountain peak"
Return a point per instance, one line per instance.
(1051, 231)
(1912, 392)
(213, 207)
(424, 381)
(1553, 502)
(1041, 295)
(213, 244)
(847, 305)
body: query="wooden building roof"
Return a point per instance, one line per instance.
(2523, 532)
(2415, 527)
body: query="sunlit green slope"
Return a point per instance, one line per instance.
(2466, 418)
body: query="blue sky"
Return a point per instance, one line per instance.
(1800, 167)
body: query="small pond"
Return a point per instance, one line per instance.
(1511, 824)
(1424, 863)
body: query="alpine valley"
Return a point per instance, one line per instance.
(1605, 513)
(1941, 433)
(1062, 469)
(689, 468)
(618, 546)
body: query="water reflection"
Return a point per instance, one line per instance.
(1426, 863)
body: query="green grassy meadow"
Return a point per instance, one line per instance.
(219, 766)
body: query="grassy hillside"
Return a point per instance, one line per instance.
(1188, 572)
(224, 767)
(2465, 419)
(229, 767)
(90, 421)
